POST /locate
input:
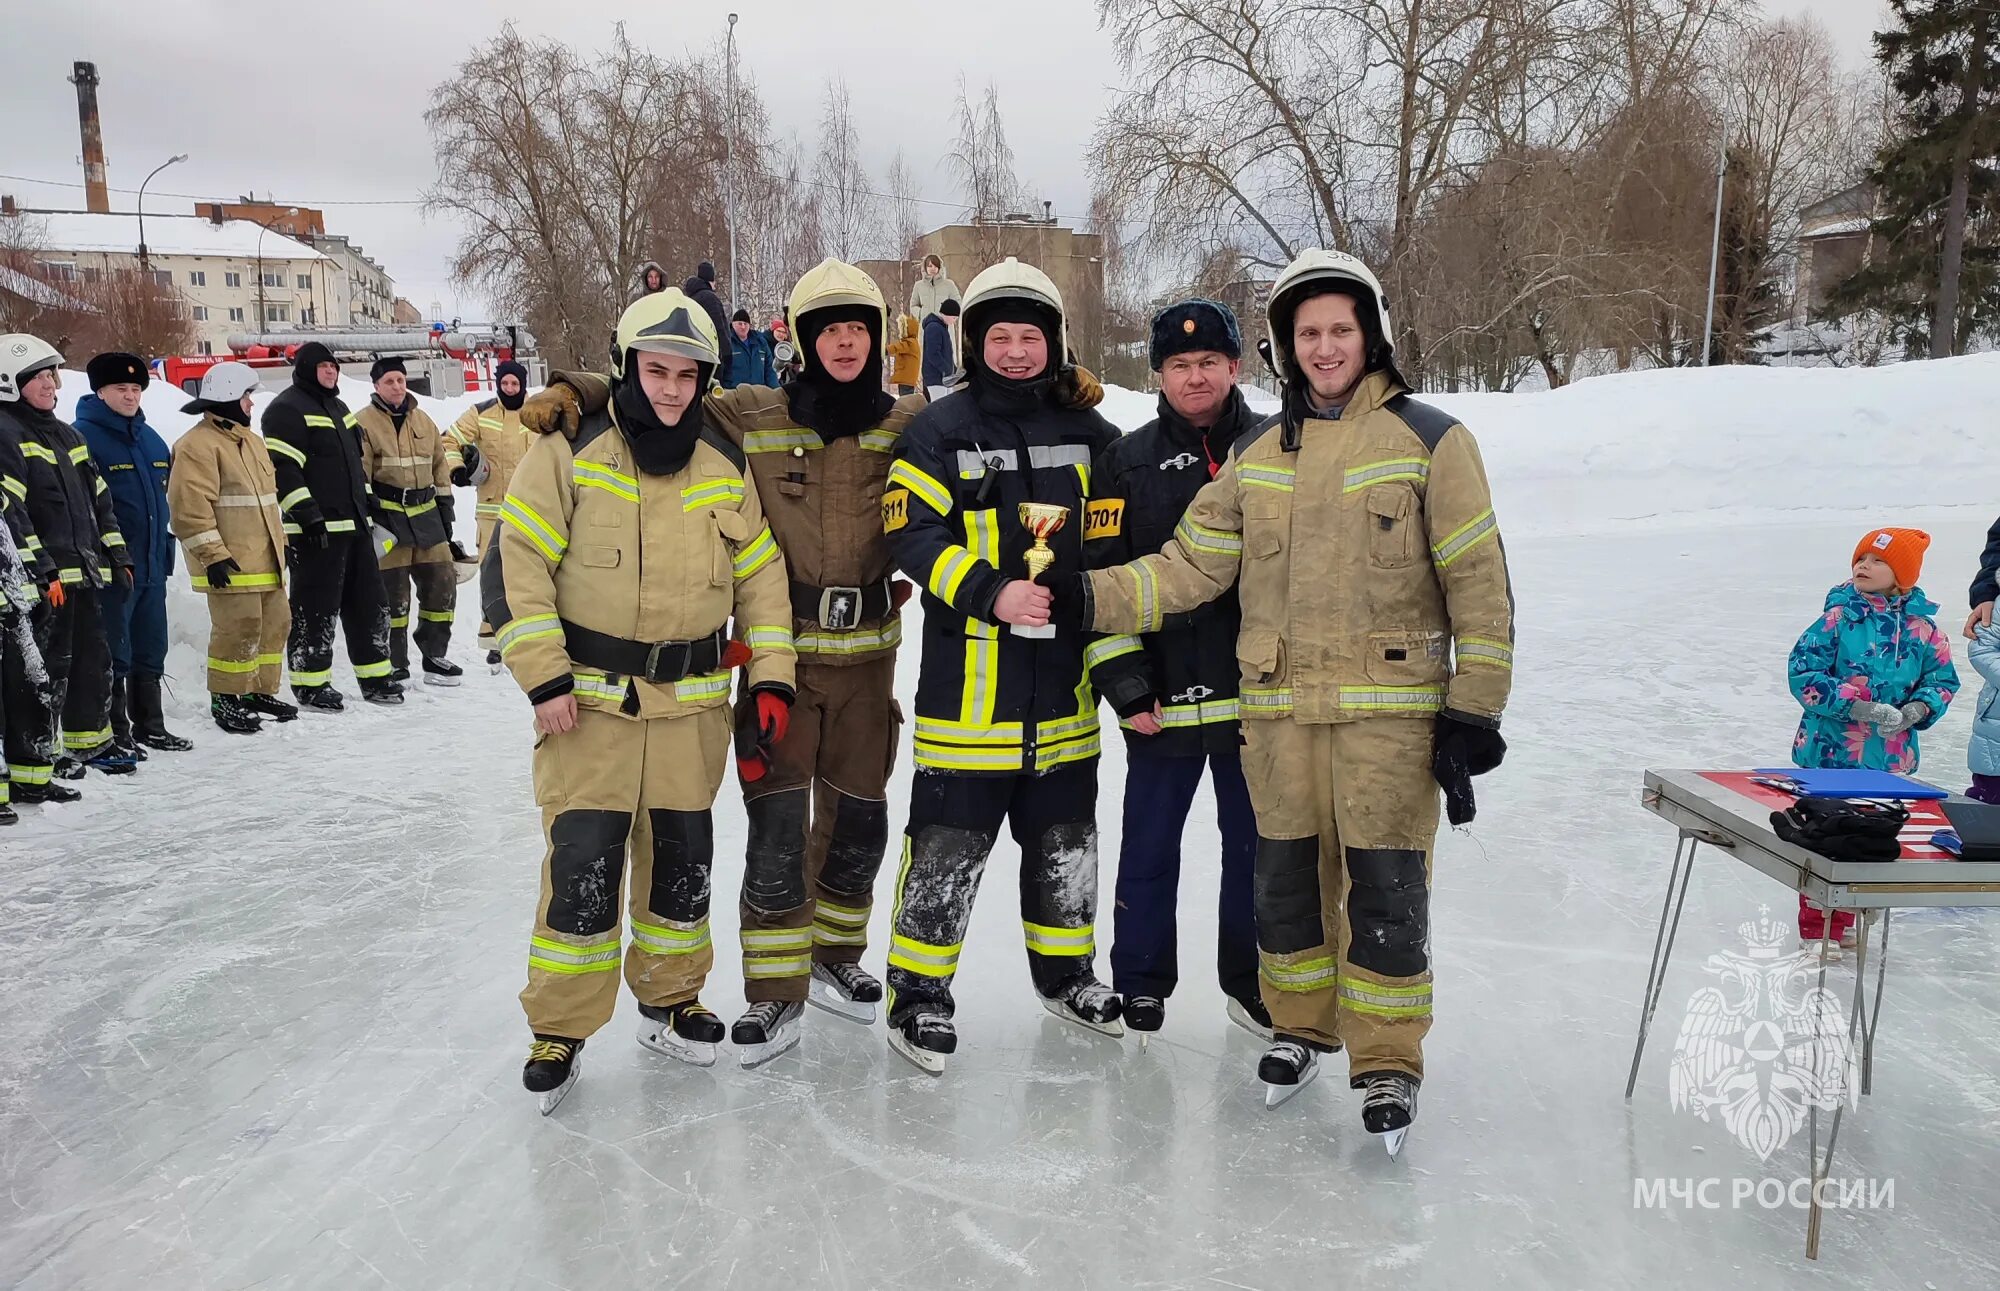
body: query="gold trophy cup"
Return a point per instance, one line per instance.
(1041, 519)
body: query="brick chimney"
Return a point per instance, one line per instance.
(96, 187)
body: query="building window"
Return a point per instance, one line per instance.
(274, 280)
(235, 314)
(232, 279)
(92, 274)
(305, 282)
(201, 313)
(198, 278)
(61, 270)
(208, 347)
(277, 313)
(163, 277)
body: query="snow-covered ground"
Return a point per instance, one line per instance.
(260, 1027)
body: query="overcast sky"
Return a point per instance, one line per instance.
(323, 105)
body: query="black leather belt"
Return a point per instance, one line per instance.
(403, 497)
(660, 661)
(839, 608)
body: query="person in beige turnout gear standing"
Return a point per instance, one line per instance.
(408, 465)
(1376, 654)
(483, 447)
(223, 493)
(629, 539)
(819, 449)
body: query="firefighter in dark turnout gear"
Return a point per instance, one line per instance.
(818, 806)
(323, 491)
(1006, 721)
(408, 462)
(1174, 690)
(84, 553)
(31, 715)
(628, 541)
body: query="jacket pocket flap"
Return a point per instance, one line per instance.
(597, 557)
(731, 524)
(1257, 650)
(1387, 501)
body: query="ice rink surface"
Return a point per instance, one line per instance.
(259, 1026)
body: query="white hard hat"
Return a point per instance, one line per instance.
(1317, 265)
(1013, 280)
(21, 357)
(224, 383)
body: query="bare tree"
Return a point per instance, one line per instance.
(849, 214)
(983, 162)
(905, 216)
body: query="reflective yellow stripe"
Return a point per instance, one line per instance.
(84, 741)
(399, 620)
(1110, 648)
(839, 925)
(434, 616)
(1050, 756)
(349, 420)
(947, 757)
(764, 967)
(246, 499)
(1465, 538)
(695, 689)
(487, 509)
(1060, 941)
(532, 527)
(778, 639)
(30, 773)
(559, 957)
(306, 679)
(903, 475)
(293, 498)
(1267, 702)
(879, 440)
(199, 580)
(979, 691)
(1425, 699)
(1189, 715)
(1485, 650)
(340, 526)
(948, 572)
(762, 550)
(591, 476)
(1301, 975)
(205, 537)
(969, 732)
(1280, 479)
(782, 440)
(1382, 1001)
(528, 628)
(1417, 469)
(923, 958)
(280, 446)
(670, 939)
(38, 452)
(13, 486)
(597, 685)
(79, 454)
(714, 493)
(114, 539)
(401, 509)
(859, 641)
(753, 939)
(230, 665)
(1217, 542)
(315, 419)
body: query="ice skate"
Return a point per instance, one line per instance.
(1145, 1014)
(50, 792)
(686, 1032)
(767, 1029)
(270, 706)
(1389, 1107)
(493, 664)
(1288, 1066)
(1088, 1003)
(233, 715)
(845, 990)
(551, 1069)
(1250, 1015)
(925, 1038)
(442, 672)
(381, 690)
(324, 698)
(112, 760)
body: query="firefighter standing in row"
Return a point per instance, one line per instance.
(1376, 655)
(486, 443)
(819, 449)
(30, 712)
(1174, 690)
(224, 494)
(627, 542)
(1006, 723)
(83, 554)
(408, 464)
(323, 492)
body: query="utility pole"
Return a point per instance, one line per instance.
(1715, 246)
(145, 261)
(729, 172)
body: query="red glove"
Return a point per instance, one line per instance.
(56, 595)
(761, 724)
(735, 655)
(899, 593)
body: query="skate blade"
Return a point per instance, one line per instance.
(823, 996)
(1057, 1009)
(756, 1055)
(662, 1040)
(1275, 1095)
(1241, 1017)
(931, 1064)
(433, 679)
(553, 1098)
(1392, 1141)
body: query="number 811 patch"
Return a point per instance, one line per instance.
(895, 509)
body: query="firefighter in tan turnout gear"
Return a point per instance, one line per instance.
(819, 449)
(408, 464)
(484, 446)
(1376, 654)
(628, 541)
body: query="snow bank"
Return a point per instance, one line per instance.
(1688, 446)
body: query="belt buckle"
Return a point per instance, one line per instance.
(653, 663)
(839, 608)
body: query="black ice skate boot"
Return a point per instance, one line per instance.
(925, 1037)
(686, 1032)
(551, 1069)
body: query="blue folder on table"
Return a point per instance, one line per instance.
(1841, 782)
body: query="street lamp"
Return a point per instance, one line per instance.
(145, 261)
(729, 170)
(263, 320)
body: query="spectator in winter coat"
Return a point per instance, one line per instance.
(1983, 755)
(939, 361)
(1870, 673)
(133, 461)
(929, 293)
(651, 278)
(784, 354)
(750, 356)
(22, 676)
(1986, 586)
(701, 290)
(906, 356)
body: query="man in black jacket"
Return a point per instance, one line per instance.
(1175, 690)
(323, 491)
(701, 290)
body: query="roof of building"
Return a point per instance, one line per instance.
(166, 235)
(34, 290)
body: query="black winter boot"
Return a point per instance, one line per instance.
(149, 719)
(233, 715)
(121, 721)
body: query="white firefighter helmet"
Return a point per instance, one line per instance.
(226, 383)
(1012, 280)
(1314, 265)
(665, 322)
(832, 283)
(21, 357)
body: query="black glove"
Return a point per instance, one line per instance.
(1463, 750)
(219, 572)
(313, 532)
(125, 576)
(459, 553)
(1073, 606)
(468, 455)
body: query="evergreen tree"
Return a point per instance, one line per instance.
(1747, 306)
(1933, 272)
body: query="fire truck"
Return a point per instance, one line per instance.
(442, 360)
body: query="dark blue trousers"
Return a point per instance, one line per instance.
(1144, 948)
(135, 627)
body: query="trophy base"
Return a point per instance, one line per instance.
(1044, 633)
